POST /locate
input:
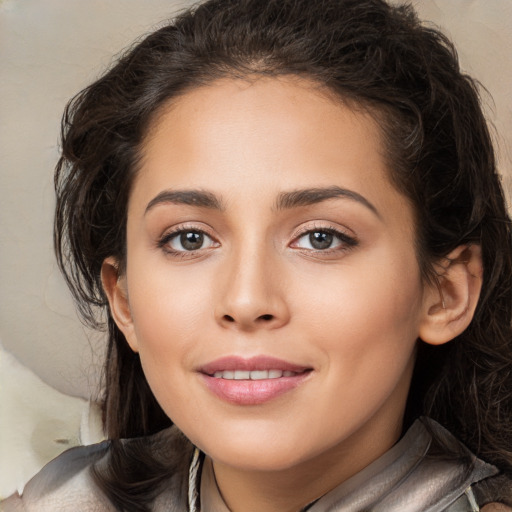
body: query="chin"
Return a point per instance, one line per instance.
(257, 449)
(261, 460)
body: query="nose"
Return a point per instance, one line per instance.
(251, 293)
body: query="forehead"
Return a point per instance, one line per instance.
(289, 106)
(232, 136)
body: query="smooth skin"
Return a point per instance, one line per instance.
(225, 259)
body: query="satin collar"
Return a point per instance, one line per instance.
(407, 478)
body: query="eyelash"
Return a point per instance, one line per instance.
(346, 242)
(167, 238)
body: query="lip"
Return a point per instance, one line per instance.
(252, 392)
(232, 363)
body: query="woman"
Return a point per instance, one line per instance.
(290, 214)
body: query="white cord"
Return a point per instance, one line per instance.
(472, 500)
(193, 493)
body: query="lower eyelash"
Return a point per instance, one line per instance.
(163, 242)
(343, 237)
(347, 241)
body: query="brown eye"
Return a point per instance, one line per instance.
(189, 240)
(320, 240)
(324, 240)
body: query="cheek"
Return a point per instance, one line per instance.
(168, 311)
(365, 317)
(168, 315)
(380, 292)
(161, 294)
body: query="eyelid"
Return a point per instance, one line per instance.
(164, 239)
(347, 241)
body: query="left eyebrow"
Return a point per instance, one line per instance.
(310, 196)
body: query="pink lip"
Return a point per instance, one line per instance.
(252, 392)
(232, 363)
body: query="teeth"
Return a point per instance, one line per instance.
(259, 375)
(253, 375)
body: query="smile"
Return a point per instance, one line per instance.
(252, 381)
(253, 375)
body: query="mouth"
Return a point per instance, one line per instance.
(252, 381)
(253, 375)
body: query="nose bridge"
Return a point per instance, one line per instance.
(252, 296)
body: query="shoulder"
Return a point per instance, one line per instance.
(455, 478)
(490, 487)
(495, 493)
(67, 483)
(62, 482)
(151, 469)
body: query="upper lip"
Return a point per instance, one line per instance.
(232, 363)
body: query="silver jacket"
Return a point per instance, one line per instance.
(413, 476)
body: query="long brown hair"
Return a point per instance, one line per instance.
(371, 54)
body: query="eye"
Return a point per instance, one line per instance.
(187, 240)
(318, 240)
(323, 240)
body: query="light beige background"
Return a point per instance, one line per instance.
(49, 50)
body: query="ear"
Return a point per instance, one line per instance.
(115, 288)
(450, 303)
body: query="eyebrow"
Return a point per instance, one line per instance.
(285, 200)
(198, 198)
(310, 196)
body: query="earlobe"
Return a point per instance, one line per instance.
(449, 304)
(114, 286)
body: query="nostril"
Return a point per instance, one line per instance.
(262, 319)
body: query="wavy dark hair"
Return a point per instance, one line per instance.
(440, 155)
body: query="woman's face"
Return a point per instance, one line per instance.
(272, 285)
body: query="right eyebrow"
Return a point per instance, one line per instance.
(198, 198)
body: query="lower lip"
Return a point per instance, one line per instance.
(252, 392)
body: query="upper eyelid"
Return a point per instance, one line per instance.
(186, 226)
(164, 243)
(171, 233)
(298, 233)
(303, 230)
(347, 240)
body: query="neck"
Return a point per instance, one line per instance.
(291, 489)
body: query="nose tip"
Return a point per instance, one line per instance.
(251, 299)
